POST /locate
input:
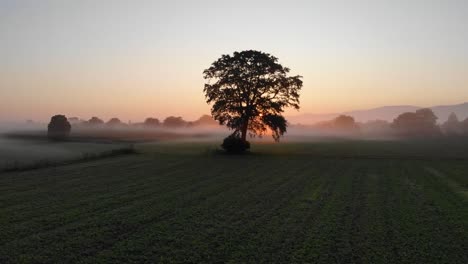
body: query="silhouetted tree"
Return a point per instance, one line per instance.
(205, 120)
(114, 122)
(95, 121)
(59, 128)
(174, 122)
(249, 91)
(452, 126)
(420, 123)
(427, 118)
(151, 122)
(345, 123)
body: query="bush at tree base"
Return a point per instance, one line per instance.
(235, 144)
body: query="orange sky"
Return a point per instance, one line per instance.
(133, 61)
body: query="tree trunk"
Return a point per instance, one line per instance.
(244, 130)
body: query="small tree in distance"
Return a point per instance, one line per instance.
(174, 122)
(114, 122)
(151, 122)
(205, 120)
(95, 121)
(345, 122)
(249, 91)
(415, 124)
(452, 126)
(59, 128)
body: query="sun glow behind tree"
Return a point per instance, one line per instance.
(249, 92)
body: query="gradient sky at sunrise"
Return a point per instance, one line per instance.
(134, 59)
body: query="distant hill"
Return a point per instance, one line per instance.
(383, 113)
(443, 111)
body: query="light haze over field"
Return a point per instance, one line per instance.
(135, 59)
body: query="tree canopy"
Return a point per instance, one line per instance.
(419, 123)
(151, 122)
(345, 122)
(114, 122)
(249, 91)
(58, 128)
(452, 126)
(95, 121)
(174, 122)
(205, 120)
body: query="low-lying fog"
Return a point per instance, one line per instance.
(26, 143)
(18, 153)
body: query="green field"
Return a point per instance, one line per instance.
(323, 202)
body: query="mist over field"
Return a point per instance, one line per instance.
(20, 153)
(23, 145)
(27, 144)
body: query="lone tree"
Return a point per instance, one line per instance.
(249, 91)
(151, 122)
(58, 128)
(452, 127)
(95, 121)
(174, 122)
(345, 122)
(114, 122)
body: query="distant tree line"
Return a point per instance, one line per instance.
(342, 124)
(60, 126)
(421, 123)
(150, 122)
